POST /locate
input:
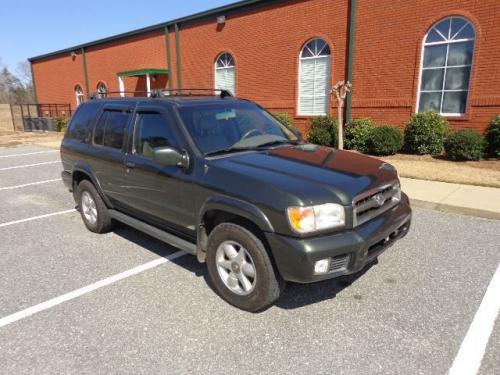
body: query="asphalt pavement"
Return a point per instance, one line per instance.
(84, 303)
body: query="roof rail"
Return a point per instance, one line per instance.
(190, 91)
(104, 95)
(162, 93)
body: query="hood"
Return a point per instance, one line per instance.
(312, 173)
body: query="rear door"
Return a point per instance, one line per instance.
(109, 144)
(157, 193)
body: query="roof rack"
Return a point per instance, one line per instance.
(163, 93)
(189, 92)
(104, 95)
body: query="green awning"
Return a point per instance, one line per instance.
(141, 72)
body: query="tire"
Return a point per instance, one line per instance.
(92, 209)
(231, 275)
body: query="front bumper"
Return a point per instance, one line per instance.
(295, 257)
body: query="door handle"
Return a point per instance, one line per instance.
(129, 164)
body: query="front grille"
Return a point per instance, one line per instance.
(374, 202)
(339, 263)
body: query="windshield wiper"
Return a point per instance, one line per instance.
(228, 150)
(277, 142)
(256, 147)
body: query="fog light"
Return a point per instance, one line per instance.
(321, 266)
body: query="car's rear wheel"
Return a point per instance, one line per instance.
(240, 268)
(92, 208)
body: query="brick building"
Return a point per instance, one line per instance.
(401, 56)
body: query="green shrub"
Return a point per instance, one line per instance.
(385, 140)
(287, 120)
(493, 137)
(323, 131)
(61, 123)
(425, 134)
(465, 144)
(357, 133)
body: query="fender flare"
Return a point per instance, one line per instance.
(85, 168)
(231, 206)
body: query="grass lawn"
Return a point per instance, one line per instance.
(12, 139)
(426, 167)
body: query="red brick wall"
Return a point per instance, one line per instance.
(388, 51)
(266, 42)
(138, 52)
(56, 79)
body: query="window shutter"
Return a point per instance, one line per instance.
(321, 85)
(314, 86)
(225, 79)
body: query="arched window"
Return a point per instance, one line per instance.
(79, 95)
(225, 73)
(314, 78)
(446, 65)
(102, 90)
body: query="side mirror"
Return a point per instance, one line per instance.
(298, 134)
(170, 156)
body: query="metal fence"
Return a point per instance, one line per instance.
(38, 117)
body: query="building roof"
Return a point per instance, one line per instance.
(194, 17)
(141, 72)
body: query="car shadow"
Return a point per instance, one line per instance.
(294, 296)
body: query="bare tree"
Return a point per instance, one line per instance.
(15, 90)
(340, 90)
(23, 71)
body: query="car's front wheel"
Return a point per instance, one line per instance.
(240, 268)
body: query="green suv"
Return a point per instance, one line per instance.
(220, 178)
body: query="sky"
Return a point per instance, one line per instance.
(32, 27)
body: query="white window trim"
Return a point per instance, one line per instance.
(228, 67)
(101, 84)
(299, 113)
(80, 97)
(446, 42)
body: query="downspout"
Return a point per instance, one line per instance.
(178, 56)
(350, 58)
(169, 58)
(85, 73)
(33, 84)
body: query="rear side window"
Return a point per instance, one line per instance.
(79, 128)
(151, 131)
(110, 129)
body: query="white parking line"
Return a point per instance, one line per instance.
(36, 218)
(471, 352)
(28, 153)
(87, 289)
(29, 165)
(30, 184)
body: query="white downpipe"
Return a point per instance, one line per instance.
(122, 86)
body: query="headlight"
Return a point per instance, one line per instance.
(315, 218)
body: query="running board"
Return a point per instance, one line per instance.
(159, 234)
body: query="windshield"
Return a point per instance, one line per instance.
(231, 126)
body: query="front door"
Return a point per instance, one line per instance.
(155, 191)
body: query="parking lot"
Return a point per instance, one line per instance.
(75, 302)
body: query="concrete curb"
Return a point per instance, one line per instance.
(455, 209)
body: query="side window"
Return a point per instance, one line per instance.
(115, 129)
(79, 128)
(110, 129)
(99, 128)
(151, 131)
